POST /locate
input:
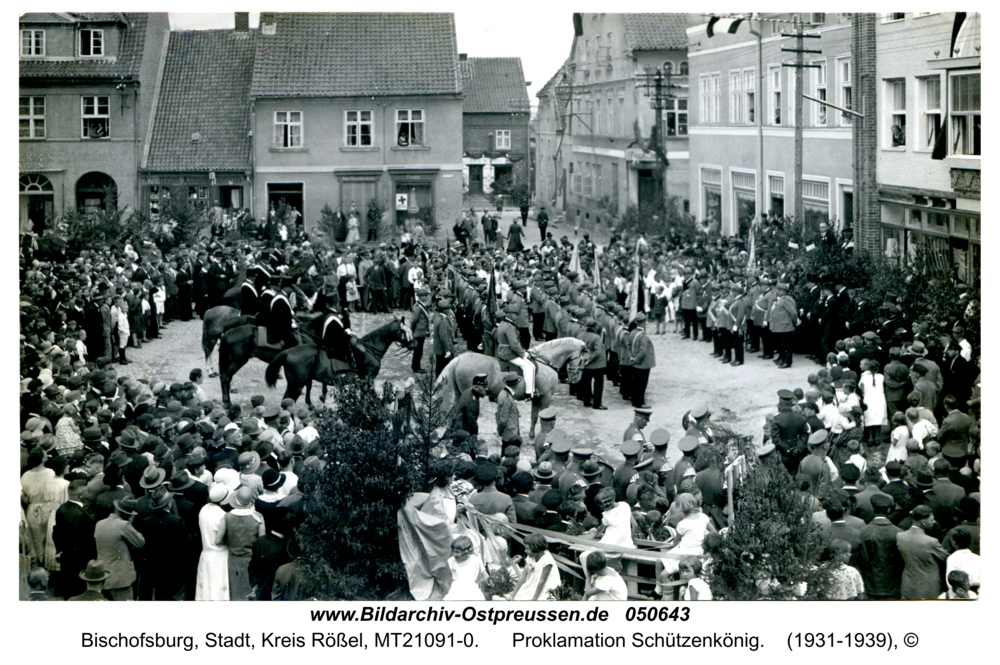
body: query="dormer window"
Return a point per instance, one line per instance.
(91, 43)
(32, 43)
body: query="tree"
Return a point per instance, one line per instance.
(349, 538)
(772, 546)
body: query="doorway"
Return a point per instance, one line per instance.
(96, 192)
(476, 179)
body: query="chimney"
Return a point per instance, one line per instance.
(463, 57)
(242, 21)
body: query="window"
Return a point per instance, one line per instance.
(409, 127)
(711, 186)
(598, 121)
(894, 16)
(91, 43)
(32, 42)
(676, 116)
(621, 113)
(358, 128)
(32, 118)
(612, 120)
(587, 180)
(96, 115)
(930, 97)
(817, 18)
(503, 139)
(815, 204)
(683, 69)
(703, 85)
(197, 193)
(736, 98)
(896, 101)
(846, 94)
(668, 68)
(159, 196)
(716, 97)
(965, 114)
(774, 73)
(820, 90)
(744, 201)
(598, 183)
(777, 186)
(288, 129)
(749, 85)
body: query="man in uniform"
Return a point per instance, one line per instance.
(551, 310)
(467, 407)
(257, 278)
(537, 306)
(658, 464)
(626, 474)
(281, 320)
(689, 446)
(643, 359)
(508, 417)
(783, 318)
(444, 336)
(333, 330)
(521, 320)
(547, 422)
(634, 430)
(592, 381)
(689, 297)
(761, 307)
(739, 307)
(420, 324)
(509, 349)
(789, 431)
(543, 223)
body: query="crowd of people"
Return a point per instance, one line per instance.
(137, 488)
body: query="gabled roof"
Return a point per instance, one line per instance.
(655, 32)
(205, 90)
(71, 18)
(551, 84)
(494, 85)
(351, 55)
(125, 64)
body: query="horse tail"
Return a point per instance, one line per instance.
(207, 344)
(447, 376)
(274, 369)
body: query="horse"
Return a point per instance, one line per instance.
(213, 324)
(236, 347)
(306, 363)
(551, 355)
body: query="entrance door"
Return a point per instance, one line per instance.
(289, 193)
(476, 179)
(647, 190)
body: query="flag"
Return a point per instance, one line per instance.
(491, 300)
(633, 308)
(574, 261)
(597, 272)
(753, 249)
(730, 25)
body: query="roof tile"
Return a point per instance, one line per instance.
(205, 89)
(656, 32)
(494, 85)
(126, 64)
(350, 55)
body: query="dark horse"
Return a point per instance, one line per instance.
(236, 347)
(306, 363)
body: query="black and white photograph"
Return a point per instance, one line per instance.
(437, 305)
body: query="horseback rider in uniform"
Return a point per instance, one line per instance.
(333, 332)
(509, 348)
(281, 320)
(257, 278)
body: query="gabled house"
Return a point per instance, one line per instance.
(595, 119)
(85, 94)
(353, 108)
(495, 122)
(199, 145)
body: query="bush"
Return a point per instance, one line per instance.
(772, 546)
(349, 539)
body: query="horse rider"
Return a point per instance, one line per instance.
(256, 280)
(281, 319)
(509, 348)
(333, 332)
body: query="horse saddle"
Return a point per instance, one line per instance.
(262, 341)
(336, 366)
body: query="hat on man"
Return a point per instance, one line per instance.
(486, 473)
(251, 427)
(271, 412)
(700, 411)
(480, 379)
(256, 400)
(955, 451)
(921, 513)
(548, 413)
(818, 437)
(765, 450)
(924, 479)
(559, 442)
(880, 500)
(152, 477)
(640, 317)
(249, 462)
(92, 435)
(181, 481)
(659, 437)
(869, 335)
(591, 468)
(161, 497)
(687, 444)
(631, 448)
(544, 471)
(917, 349)
(127, 505)
(510, 378)
(95, 572)
(643, 412)
(273, 479)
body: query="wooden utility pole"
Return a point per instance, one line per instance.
(799, 65)
(659, 89)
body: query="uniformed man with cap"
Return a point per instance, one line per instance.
(634, 431)
(420, 325)
(559, 446)
(696, 423)
(814, 468)
(625, 474)
(657, 459)
(547, 419)
(509, 349)
(592, 381)
(516, 297)
(689, 446)
(783, 318)
(508, 417)
(444, 335)
(739, 310)
(467, 407)
(789, 431)
(643, 359)
(761, 306)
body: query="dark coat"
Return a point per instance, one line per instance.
(73, 537)
(878, 559)
(268, 554)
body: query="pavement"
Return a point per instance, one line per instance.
(685, 375)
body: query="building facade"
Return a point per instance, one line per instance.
(594, 121)
(495, 117)
(347, 109)
(86, 90)
(734, 78)
(925, 137)
(199, 146)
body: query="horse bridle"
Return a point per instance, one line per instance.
(577, 360)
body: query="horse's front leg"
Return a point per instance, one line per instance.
(309, 387)
(322, 396)
(535, 409)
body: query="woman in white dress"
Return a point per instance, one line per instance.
(540, 574)
(352, 228)
(212, 582)
(40, 496)
(871, 387)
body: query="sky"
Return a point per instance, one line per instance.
(542, 42)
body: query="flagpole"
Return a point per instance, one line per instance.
(633, 308)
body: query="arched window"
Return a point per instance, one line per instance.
(96, 191)
(34, 182)
(684, 68)
(668, 67)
